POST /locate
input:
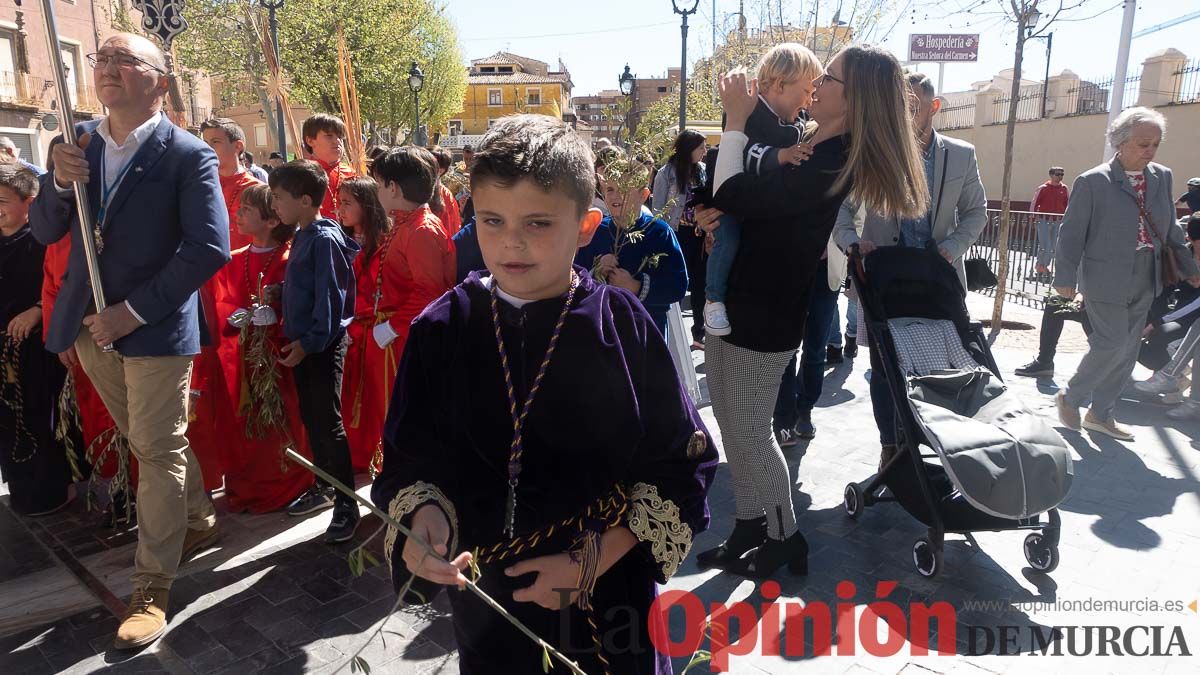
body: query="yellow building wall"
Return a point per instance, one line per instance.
(476, 111)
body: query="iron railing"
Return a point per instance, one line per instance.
(1094, 98)
(956, 117)
(1029, 105)
(1187, 83)
(1023, 285)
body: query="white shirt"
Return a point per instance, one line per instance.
(116, 156)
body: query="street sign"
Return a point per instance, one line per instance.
(943, 47)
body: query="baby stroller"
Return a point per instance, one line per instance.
(995, 465)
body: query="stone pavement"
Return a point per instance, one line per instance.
(274, 599)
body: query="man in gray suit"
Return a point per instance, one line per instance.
(957, 215)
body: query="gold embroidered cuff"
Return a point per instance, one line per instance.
(655, 521)
(408, 500)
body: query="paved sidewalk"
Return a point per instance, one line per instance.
(274, 599)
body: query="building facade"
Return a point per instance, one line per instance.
(29, 113)
(507, 84)
(603, 113)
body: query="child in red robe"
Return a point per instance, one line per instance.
(228, 140)
(367, 384)
(258, 477)
(324, 140)
(104, 446)
(443, 205)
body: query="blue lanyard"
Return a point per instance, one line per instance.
(107, 192)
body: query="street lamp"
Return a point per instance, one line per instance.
(272, 6)
(626, 80)
(1034, 17)
(416, 80)
(683, 61)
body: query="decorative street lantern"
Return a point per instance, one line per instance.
(416, 80)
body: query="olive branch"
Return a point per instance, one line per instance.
(356, 661)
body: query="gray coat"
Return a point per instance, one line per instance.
(1098, 238)
(957, 200)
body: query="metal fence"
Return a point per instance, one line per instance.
(956, 117)
(1187, 83)
(1029, 105)
(1094, 98)
(1024, 285)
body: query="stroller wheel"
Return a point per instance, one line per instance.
(852, 500)
(928, 560)
(1041, 555)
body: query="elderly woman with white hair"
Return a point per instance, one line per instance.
(1118, 243)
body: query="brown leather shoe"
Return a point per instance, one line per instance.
(1067, 413)
(198, 540)
(146, 619)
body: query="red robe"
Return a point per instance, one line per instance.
(97, 426)
(231, 189)
(449, 215)
(418, 267)
(336, 173)
(258, 478)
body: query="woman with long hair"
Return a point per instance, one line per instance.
(364, 403)
(673, 185)
(865, 148)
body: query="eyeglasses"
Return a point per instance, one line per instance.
(1060, 174)
(827, 76)
(123, 61)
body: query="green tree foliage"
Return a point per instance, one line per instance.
(384, 38)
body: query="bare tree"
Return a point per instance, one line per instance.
(1026, 15)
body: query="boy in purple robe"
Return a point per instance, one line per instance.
(538, 430)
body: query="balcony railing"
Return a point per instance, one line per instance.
(20, 89)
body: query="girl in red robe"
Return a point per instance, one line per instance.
(369, 370)
(105, 448)
(258, 477)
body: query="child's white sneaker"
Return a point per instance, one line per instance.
(716, 321)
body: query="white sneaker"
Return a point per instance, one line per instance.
(1158, 384)
(716, 321)
(1188, 410)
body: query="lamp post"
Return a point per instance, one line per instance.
(416, 80)
(1034, 17)
(280, 130)
(683, 29)
(626, 82)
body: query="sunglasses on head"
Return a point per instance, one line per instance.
(1057, 173)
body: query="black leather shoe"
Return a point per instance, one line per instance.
(833, 356)
(745, 536)
(772, 555)
(851, 348)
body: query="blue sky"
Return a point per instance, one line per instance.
(595, 39)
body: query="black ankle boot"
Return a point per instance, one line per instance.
(772, 555)
(746, 535)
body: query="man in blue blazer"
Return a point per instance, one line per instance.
(163, 232)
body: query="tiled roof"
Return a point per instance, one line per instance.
(514, 78)
(498, 57)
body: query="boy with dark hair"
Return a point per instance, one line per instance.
(318, 305)
(538, 421)
(324, 139)
(32, 461)
(228, 140)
